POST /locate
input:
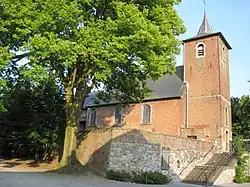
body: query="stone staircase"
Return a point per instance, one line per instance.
(209, 172)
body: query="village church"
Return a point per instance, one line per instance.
(194, 102)
(182, 130)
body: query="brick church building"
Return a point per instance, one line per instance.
(194, 102)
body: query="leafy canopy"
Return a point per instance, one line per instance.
(88, 44)
(241, 116)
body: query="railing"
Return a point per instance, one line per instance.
(209, 151)
(188, 165)
(195, 158)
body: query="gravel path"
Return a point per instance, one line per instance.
(22, 179)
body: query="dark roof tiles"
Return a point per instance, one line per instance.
(169, 86)
(205, 27)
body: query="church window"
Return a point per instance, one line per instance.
(200, 50)
(91, 117)
(146, 114)
(118, 115)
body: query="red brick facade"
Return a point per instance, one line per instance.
(206, 115)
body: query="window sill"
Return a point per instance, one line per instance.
(91, 127)
(146, 124)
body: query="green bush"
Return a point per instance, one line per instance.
(140, 178)
(119, 176)
(248, 179)
(240, 169)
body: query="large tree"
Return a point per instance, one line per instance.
(116, 45)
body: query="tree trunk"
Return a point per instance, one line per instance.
(69, 150)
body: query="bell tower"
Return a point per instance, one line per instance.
(206, 73)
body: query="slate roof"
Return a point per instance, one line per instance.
(205, 27)
(169, 86)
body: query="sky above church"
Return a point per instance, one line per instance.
(232, 18)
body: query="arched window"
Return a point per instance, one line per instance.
(91, 117)
(146, 114)
(118, 115)
(200, 50)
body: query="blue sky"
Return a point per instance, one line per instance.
(232, 18)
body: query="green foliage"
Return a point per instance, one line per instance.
(119, 176)
(141, 178)
(116, 45)
(240, 170)
(241, 116)
(247, 178)
(30, 125)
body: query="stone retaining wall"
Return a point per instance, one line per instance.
(146, 151)
(138, 136)
(134, 157)
(134, 150)
(226, 177)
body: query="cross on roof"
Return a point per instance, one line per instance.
(205, 27)
(205, 4)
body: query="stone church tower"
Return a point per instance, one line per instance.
(206, 74)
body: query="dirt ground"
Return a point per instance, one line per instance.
(26, 165)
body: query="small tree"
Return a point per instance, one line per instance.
(240, 170)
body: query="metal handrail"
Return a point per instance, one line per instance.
(195, 158)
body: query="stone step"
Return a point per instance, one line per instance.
(220, 159)
(201, 174)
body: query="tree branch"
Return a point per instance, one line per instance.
(19, 57)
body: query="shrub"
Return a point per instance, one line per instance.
(119, 176)
(240, 169)
(248, 179)
(141, 178)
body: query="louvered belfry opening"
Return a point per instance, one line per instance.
(201, 50)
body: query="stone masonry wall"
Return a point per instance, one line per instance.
(144, 151)
(186, 159)
(167, 116)
(134, 157)
(123, 135)
(126, 149)
(226, 177)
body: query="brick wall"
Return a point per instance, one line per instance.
(202, 73)
(167, 116)
(209, 92)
